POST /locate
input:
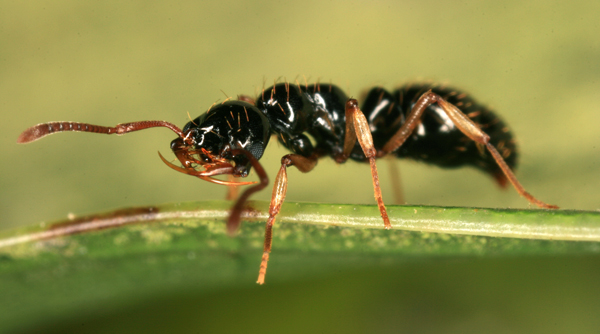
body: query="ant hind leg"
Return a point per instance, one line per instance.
(467, 127)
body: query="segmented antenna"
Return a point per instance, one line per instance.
(42, 130)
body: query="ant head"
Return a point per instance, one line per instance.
(213, 141)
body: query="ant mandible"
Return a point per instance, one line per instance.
(425, 122)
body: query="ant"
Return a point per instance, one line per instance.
(426, 122)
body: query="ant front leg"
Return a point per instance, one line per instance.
(357, 127)
(234, 220)
(305, 165)
(467, 127)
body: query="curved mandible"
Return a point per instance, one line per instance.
(206, 176)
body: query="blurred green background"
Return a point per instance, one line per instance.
(537, 63)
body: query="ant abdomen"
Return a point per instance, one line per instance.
(436, 139)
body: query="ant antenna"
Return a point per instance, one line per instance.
(42, 130)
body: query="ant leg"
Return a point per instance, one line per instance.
(304, 164)
(350, 138)
(232, 191)
(467, 127)
(396, 181)
(234, 220)
(357, 127)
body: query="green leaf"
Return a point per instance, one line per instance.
(51, 271)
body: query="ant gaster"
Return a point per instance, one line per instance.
(425, 122)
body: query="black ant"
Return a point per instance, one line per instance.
(425, 122)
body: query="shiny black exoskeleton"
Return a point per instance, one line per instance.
(310, 121)
(315, 110)
(227, 126)
(437, 140)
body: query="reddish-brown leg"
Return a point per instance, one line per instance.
(232, 191)
(357, 127)
(396, 181)
(234, 220)
(304, 164)
(466, 126)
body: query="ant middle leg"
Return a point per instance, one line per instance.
(357, 127)
(305, 165)
(467, 127)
